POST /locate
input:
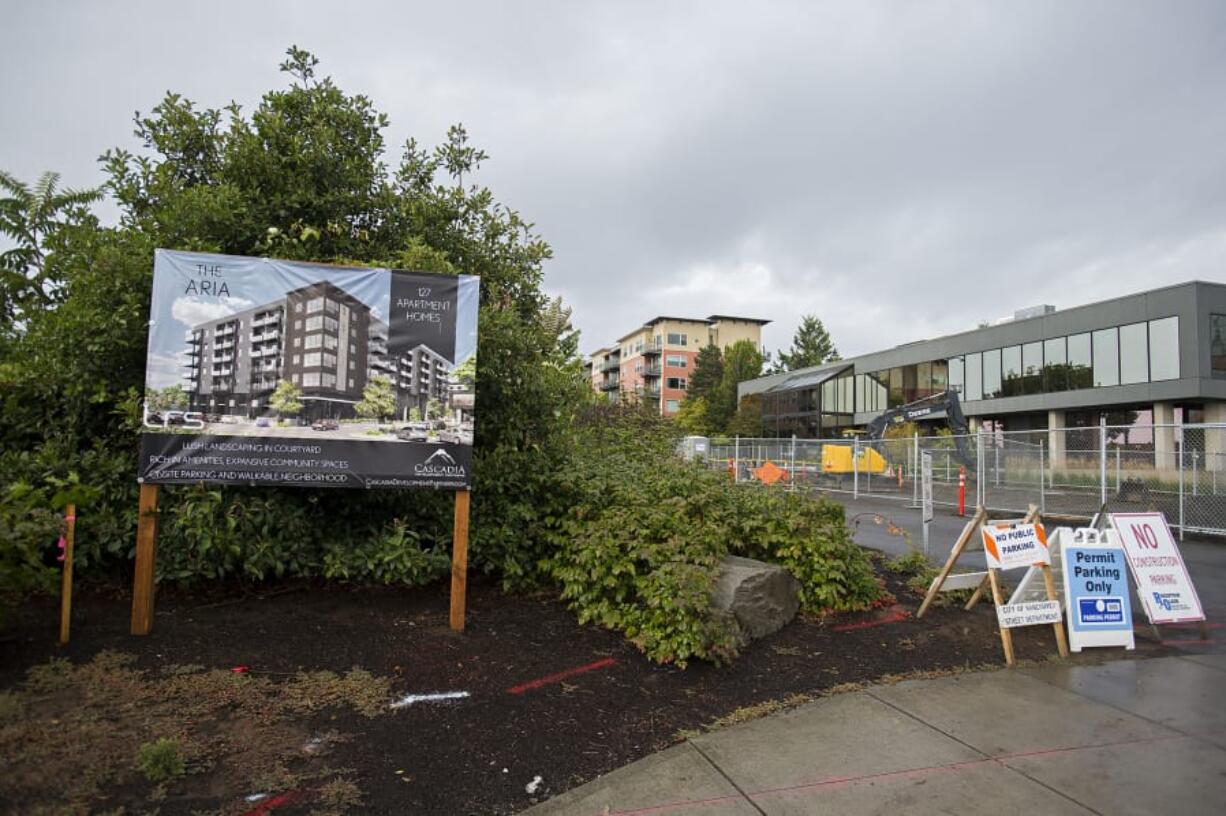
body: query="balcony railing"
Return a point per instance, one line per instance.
(611, 365)
(610, 385)
(265, 337)
(652, 348)
(652, 370)
(651, 393)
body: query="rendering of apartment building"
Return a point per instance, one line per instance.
(653, 363)
(320, 338)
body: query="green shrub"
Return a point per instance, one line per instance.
(637, 536)
(159, 760)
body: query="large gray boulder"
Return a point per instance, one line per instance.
(762, 597)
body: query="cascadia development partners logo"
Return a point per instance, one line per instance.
(440, 464)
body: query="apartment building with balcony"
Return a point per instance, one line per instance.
(320, 338)
(653, 363)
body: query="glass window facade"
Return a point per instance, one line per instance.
(991, 374)
(974, 376)
(1134, 354)
(1164, 349)
(1106, 357)
(1119, 355)
(1055, 364)
(1217, 343)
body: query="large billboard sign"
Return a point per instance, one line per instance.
(270, 372)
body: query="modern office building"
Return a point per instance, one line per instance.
(320, 338)
(1154, 357)
(653, 362)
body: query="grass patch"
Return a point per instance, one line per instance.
(759, 710)
(105, 724)
(159, 760)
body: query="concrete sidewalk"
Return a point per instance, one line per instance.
(1132, 736)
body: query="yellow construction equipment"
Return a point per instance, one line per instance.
(837, 461)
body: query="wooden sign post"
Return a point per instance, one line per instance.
(459, 560)
(972, 539)
(146, 555)
(70, 525)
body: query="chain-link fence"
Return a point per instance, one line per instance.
(1179, 470)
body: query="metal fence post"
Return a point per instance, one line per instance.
(736, 461)
(1181, 452)
(1195, 476)
(1117, 468)
(792, 469)
(980, 492)
(915, 467)
(1042, 491)
(855, 468)
(1102, 459)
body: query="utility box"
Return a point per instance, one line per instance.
(695, 448)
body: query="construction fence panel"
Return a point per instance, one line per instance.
(1069, 473)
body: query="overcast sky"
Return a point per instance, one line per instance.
(900, 169)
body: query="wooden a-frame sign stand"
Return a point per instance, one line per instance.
(146, 554)
(971, 540)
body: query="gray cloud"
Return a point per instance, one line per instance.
(900, 169)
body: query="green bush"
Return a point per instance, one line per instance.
(637, 536)
(303, 176)
(159, 760)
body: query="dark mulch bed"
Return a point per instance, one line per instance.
(476, 755)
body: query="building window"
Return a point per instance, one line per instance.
(676, 382)
(957, 376)
(314, 341)
(1164, 348)
(310, 380)
(351, 383)
(676, 361)
(297, 325)
(314, 323)
(298, 307)
(329, 380)
(1032, 368)
(974, 376)
(1011, 371)
(991, 374)
(1106, 357)
(315, 305)
(1134, 354)
(1080, 362)
(1055, 365)
(351, 365)
(677, 339)
(671, 406)
(312, 360)
(1217, 343)
(297, 359)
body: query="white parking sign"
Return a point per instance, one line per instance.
(1163, 583)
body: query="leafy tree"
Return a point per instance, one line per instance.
(286, 400)
(29, 218)
(811, 345)
(378, 400)
(466, 372)
(708, 371)
(692, 416)
(301, 176)
(434, 409)
(747, 421)
(743, 361)
(171, 398)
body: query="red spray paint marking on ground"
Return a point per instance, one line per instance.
(851, 627)
(560, 676)
(281, 800)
